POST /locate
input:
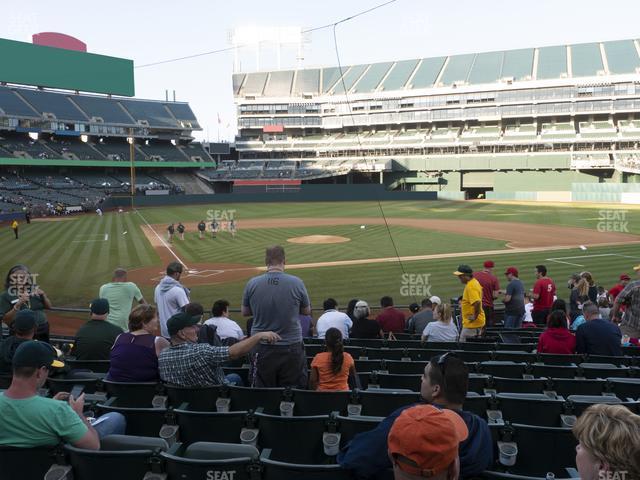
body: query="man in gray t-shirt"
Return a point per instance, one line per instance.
(275, 299)
(513, 300)
(417, 323)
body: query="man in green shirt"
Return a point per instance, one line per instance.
(29, 420)
(95, 338)
(120, 293)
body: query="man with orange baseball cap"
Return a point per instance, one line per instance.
(423, 443)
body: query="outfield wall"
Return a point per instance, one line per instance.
(623, 193)
(307, 193)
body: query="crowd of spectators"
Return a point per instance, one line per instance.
(172, 342)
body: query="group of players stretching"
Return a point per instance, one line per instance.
(214, 228)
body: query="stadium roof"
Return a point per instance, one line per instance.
(543, 63)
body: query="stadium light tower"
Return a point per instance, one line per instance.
(256, 37)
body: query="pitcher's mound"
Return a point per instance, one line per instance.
(316, 239)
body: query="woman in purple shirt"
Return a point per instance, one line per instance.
(134, 355)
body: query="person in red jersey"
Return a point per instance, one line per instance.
(618, 287)
(490, 287)
(543, 294)
(390, 319)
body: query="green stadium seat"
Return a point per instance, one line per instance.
(209, 426)
(278, 470)
(204, 460)
(133, 394)
(308, 402)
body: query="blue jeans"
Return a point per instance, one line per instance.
(513, 321)
(112, 423)
(234, 379)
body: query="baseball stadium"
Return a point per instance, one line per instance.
(378, 180)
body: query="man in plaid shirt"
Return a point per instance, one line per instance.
(630, 298)
(190, 364)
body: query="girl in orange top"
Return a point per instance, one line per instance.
(330, 370)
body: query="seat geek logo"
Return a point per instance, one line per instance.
(616, 475)
(613, 221)
(221, 475)
(225, 215)
(415, 285)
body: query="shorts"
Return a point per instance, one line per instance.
(279, 366)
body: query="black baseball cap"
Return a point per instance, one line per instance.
(100, 306)
(24, 321)
(463, 270)
(181, 320)
(36, 354)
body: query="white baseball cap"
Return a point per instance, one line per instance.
(435, 300)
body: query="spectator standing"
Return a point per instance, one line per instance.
(120, 293)
(442, 330)
(96, 337)
(528, 310)
(363, 327)
(225, 327)
(490, 288)
(597, 336)
(471, 304)
(170, 295)
(390, 319)
(444, 385)
(543, 293)
(14, 227)
(514, 309)
(593, 288)
(330, 370)
(579, 296)
(21, 292)
(24, 327)
(419, 321)
(305, 325)
(187, 363)
(619, 287)
(350, 306)
(557, 338)
(29, 420)
(608, 445)
(134, 355)
(275, 299)
(629, 298)
(333, 318)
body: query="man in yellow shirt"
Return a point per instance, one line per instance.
(473, 318)
(14, 227)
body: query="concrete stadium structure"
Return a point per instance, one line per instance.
(556, 123)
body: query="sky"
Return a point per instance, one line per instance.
(148, 31)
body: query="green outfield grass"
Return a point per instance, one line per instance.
(73, 258)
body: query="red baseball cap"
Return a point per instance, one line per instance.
(424, 440)
(624, 276)
(489, 264)
(512, 270)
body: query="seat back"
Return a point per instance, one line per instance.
(555, 371)
(247, 398)
(198, 398)
(531, 409)
(97, 366)
(132, 394)
(309, 402)
(502, 369)
(102, 465)
(602, 370)
(209, 426)
(577, 386)
(518, 385)
(379, 403)
(27, 463)
(408, 382)
(349, 427)
(144, 422)
(544, 449)
(278, 470)
(406, 368)
(625, 387)
(179, 467)
(220, 451)
(560, 359)
(293, 439)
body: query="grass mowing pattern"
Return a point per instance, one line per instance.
(72, 261)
